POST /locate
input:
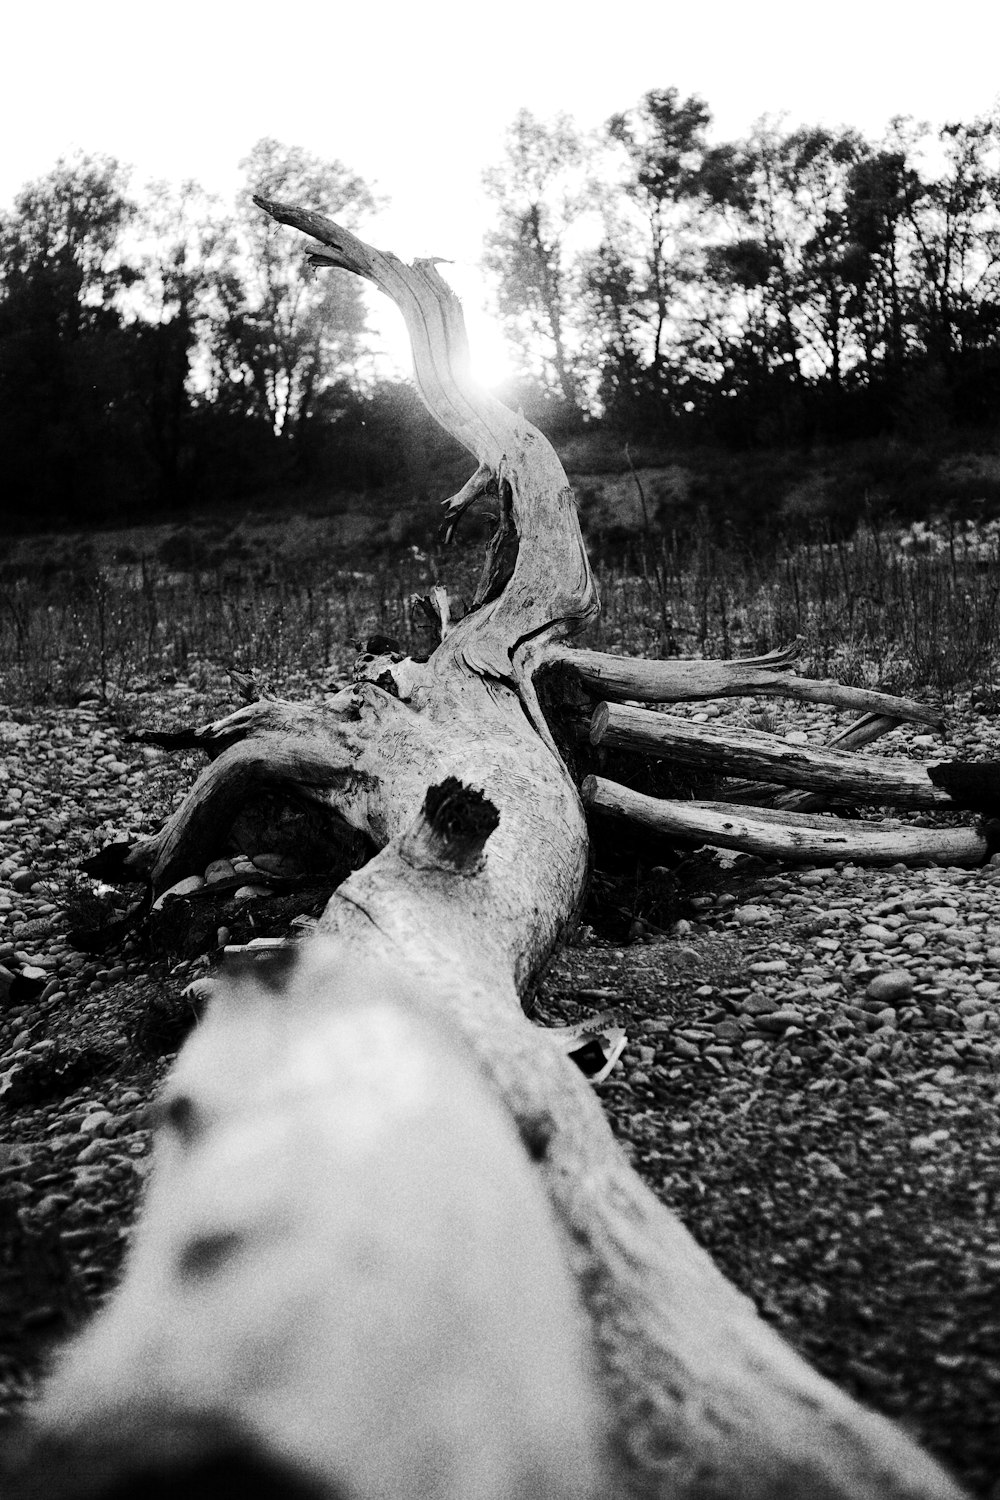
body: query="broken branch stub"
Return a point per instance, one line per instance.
(452, 830)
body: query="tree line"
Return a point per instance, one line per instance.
(793, 286)
(159, 353)
(799, 284)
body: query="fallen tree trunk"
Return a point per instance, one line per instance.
(366, 1155)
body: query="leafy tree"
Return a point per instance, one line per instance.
(66, 415)
(612, 298)
(880, 185)
(186, 254)
(538, 192)
(664, 143)
(283, 332)
(956, 232)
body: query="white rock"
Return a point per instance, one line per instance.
(748, 916)
(251, 892)
(185, 887)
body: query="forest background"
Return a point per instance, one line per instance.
(803, 323)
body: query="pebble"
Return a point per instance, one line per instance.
(778, 1020)
(749, 916)
(95, 1151)
(275, 864)
(891, 987)
(757, 1005)
(186, 887)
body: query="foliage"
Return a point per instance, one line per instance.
(283, 332)
(798, 287)
(539, 197)
(67, 356)
(792, 285)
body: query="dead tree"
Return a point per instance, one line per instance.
(391, 1246)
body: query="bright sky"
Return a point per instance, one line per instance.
(416, 96)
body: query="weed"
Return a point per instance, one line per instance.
(902, 610)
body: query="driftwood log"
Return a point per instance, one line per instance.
(391, 1247)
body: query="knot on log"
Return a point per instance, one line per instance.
(452, 829)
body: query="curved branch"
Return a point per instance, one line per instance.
(629, 678)
(550, 591)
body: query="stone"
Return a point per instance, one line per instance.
(251, 892)
(95, 1151)
(219, 870)
(186, 887)
(779, 1020)
(891, 987)
(749, 916)
(757, 1005)
(275, 864)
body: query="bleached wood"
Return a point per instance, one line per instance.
(863, 731)
(698, 1395)
(624, 678)
(750, 752)
(796, 837)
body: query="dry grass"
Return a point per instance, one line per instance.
(866, 610)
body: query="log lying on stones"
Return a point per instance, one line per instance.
(330, 1260)
(796, 837)
(748, 751)
(867, 728)
(627, 679)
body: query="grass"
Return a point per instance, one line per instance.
(866, 610)
(869, 610)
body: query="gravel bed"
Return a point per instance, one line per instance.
(811, 1077)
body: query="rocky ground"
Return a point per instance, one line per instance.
(811, 1075)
